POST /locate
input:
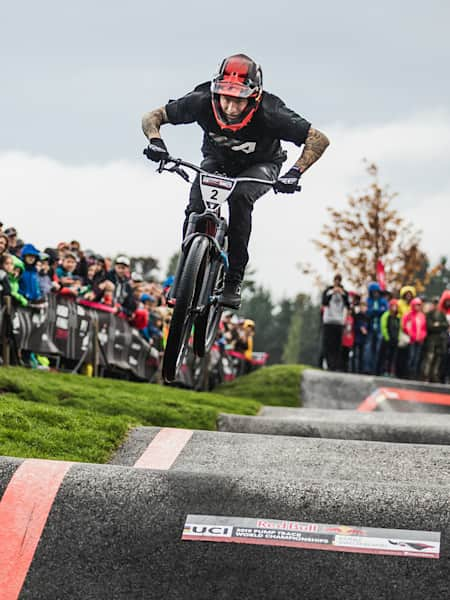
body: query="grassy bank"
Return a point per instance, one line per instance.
(70, 417)
(278, 385)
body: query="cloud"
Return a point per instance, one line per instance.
(116, 207)
(125, 206)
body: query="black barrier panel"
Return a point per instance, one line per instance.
(31, 329)
(69, 326)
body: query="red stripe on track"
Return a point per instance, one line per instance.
(406, 395)
(24, 510)
(164, 449)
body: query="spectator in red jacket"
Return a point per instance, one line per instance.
(414, 324)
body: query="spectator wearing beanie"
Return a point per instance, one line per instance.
(45, 280)
(11, 233)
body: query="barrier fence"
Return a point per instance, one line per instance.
(82, 335)
(78, 335)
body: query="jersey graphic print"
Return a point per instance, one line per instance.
(233, 144)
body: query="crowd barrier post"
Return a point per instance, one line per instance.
(6, 353)
(95, 346)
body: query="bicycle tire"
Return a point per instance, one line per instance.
(206, 325)
(188, 290)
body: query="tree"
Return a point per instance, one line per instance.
(144, 265)
(370, 230)
(437, 279)
(173, 261)
(302, 344)
(259, 307)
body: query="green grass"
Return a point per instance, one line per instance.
(278, 385)
(72, 417)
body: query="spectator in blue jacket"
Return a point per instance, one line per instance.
(361, 327)
(376, 306)
(29, 285)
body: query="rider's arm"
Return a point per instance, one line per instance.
(315, 144)
(152, 121)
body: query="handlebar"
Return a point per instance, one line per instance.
(178, 163)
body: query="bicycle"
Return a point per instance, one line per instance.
(200, 273)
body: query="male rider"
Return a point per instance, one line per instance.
(243, 126)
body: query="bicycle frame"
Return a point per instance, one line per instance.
(199, 277)
(215, 189)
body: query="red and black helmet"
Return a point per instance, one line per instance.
(238, 76)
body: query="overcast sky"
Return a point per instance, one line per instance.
(75, 79)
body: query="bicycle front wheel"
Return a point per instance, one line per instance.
(188, 290)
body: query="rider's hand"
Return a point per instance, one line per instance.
(156, 150)
(288, 182)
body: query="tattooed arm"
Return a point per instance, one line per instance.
(152, 121)
(315, 145)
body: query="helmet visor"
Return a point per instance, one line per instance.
(232, 88)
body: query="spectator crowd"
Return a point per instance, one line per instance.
(406, 336)
(29, 275)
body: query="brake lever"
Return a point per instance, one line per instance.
(178, 170)
(182, 173)
(161, 166)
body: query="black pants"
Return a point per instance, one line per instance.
(332, 345)
(387, 358)
(240, 205)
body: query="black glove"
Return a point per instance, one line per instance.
(288, 183)
(156, 150)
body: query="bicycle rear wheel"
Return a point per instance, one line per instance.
(187, 294)
(206, 325)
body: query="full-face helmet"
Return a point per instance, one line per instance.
(240, 77)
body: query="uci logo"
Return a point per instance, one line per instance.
(208, 530)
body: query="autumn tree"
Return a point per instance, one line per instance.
(367, 231)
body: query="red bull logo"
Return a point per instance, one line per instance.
(345, 530)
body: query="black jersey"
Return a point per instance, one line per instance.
(257, 142)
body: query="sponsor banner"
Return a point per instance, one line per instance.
(63, 327)
(319, 536)
(30, 328)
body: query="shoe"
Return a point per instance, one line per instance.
(231, 295)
